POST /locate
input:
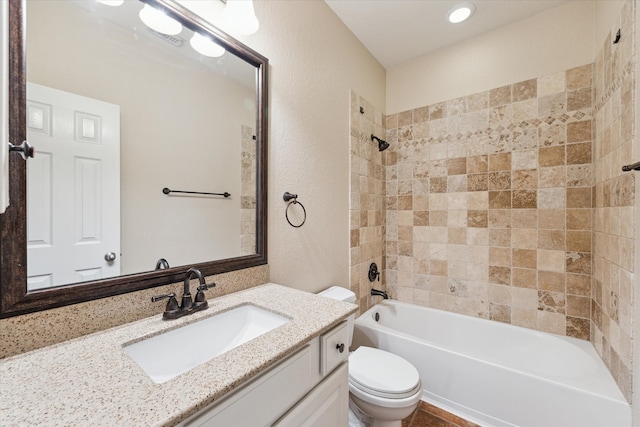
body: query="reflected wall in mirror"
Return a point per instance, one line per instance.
(118, 112)
(121, 112)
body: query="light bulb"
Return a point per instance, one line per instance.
(241, 17)
(159, 21)
(113, 3)
(205, 46)
(460, 12)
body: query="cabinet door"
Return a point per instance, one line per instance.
(325, 405)
(267, 397)
(334, 348)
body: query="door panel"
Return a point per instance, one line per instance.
(73, 187)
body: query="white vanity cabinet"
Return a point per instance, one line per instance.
(326, 405)
(308, 388)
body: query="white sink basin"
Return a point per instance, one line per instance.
(172, 353)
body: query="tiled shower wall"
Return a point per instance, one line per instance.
(489, 204)
(613, 276)
(509, 204)
(366, 207)
(248, 172)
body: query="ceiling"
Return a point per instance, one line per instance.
(396, 31)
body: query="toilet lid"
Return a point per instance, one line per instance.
(382, 373)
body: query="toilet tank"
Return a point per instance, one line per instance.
(342, 294)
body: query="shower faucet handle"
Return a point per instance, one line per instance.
(373, 272)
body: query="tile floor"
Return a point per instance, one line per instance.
(427, 415)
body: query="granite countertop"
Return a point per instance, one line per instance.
(91, 381)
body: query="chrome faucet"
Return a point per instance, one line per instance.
(376, 292)
(188, 305)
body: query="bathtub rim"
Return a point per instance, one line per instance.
(613, 393)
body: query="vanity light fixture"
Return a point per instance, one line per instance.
(240, 17)
(157, 20)
(205, 46)
(460, 12)
(114, 3)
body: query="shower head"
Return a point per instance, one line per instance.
(382, 145)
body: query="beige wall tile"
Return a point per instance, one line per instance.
(579, 131)
(551, 219)
(499, 199)
(524, 90)
(550, 260)
(551, 322)
(526, 318)
(551, 84)
(579, 77)
(551, 156)
(551, 239)
(524, 277)
(524, 179)
(524, 238)
(501, 224)
(500, 96)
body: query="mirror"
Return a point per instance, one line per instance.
(149, 121)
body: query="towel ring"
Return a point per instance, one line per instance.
(292, 199)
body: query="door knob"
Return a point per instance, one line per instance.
(110, 256)
(25, 149)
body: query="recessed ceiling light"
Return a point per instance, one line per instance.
(460, 12)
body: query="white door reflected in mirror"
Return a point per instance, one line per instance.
(73, 188)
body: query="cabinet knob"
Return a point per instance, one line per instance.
(340, 347)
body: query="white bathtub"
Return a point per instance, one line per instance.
(496, 374)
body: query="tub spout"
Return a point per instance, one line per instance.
(376, 292)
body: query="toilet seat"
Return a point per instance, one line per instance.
(377, 376)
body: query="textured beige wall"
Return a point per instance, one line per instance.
(547, 43)
(606, 16)
(314, 62)
(152, 86)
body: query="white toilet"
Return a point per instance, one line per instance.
(383, 386)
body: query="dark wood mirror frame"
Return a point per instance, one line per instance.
(14, 298)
